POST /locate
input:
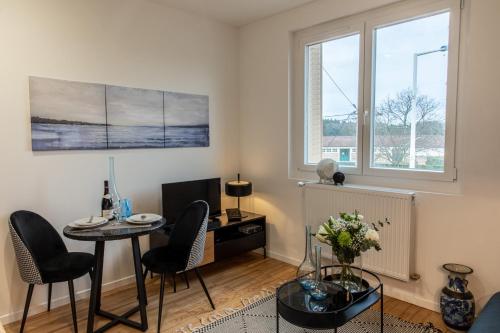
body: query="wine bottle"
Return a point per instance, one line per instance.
(107, 203)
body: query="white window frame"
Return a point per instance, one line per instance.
(331, 31)
(364, 24)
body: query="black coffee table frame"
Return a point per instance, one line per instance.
(338, 317)
(100, 237)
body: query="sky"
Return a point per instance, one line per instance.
(185, 109)
(395, 47)
(67, 100)
(86, 102)
(133, 106)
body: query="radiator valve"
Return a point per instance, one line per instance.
(415, 277)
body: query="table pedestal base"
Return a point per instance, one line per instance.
(95, 294)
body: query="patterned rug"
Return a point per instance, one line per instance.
(260, 317)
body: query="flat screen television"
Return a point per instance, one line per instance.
(177, 196)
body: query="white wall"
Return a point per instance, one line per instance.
(142, 44)
(462, 226)
(132, 43)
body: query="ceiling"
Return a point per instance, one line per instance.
(234, 12)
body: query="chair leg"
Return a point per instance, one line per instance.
(27, 306)
(145, 273)
(49, 297)
(186, 279)
(174, 283)
(73, 305)
(204, 287)
(160, 306)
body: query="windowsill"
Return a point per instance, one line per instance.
(383, 184)
(363, 188)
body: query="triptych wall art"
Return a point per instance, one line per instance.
(67, 115)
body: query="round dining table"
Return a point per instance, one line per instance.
(100, 235)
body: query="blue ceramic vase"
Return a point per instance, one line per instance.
(457, 302)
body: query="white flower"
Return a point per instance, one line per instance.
(372, 235)
(321, 238)
(321, 235)
(360, 217)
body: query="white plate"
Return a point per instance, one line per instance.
(96, 220)
(144, 218)
(83, 223)
(137, 224)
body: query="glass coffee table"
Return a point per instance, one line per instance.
(295, 305)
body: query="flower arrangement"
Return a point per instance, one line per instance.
(349, 236)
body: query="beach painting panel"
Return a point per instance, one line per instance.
(67, 115)
(186, 120)
(134, 118)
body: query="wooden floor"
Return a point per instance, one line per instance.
(228, 282)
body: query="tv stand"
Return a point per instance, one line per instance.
(223, 237)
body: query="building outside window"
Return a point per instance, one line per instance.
(345, 155)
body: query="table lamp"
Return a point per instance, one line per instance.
(237, 188)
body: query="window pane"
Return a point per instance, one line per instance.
(332, 95)
(409, 94)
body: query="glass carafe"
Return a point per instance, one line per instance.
(306, 271)
(319, 291)
(115, 196)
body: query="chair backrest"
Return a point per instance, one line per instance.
(188, 236)
(35, 240)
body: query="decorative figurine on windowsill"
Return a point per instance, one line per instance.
(338, 178)
(325, 169)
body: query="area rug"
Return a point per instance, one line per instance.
(260, 317)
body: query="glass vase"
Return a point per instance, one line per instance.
(306, 270)
(351, 275)
(115, 196)
(319, 291)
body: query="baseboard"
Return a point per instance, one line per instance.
(280, 257)
(57, 302)
(389, 290)
(409, 297)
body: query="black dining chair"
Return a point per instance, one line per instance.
(42, 257)
(184, 251)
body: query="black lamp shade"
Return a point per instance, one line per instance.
(239, 188)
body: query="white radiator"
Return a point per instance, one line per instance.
(396, 258)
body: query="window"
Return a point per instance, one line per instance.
(409, 108)
(332, 95)
(381, 88)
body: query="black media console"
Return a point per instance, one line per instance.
(224, 238)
